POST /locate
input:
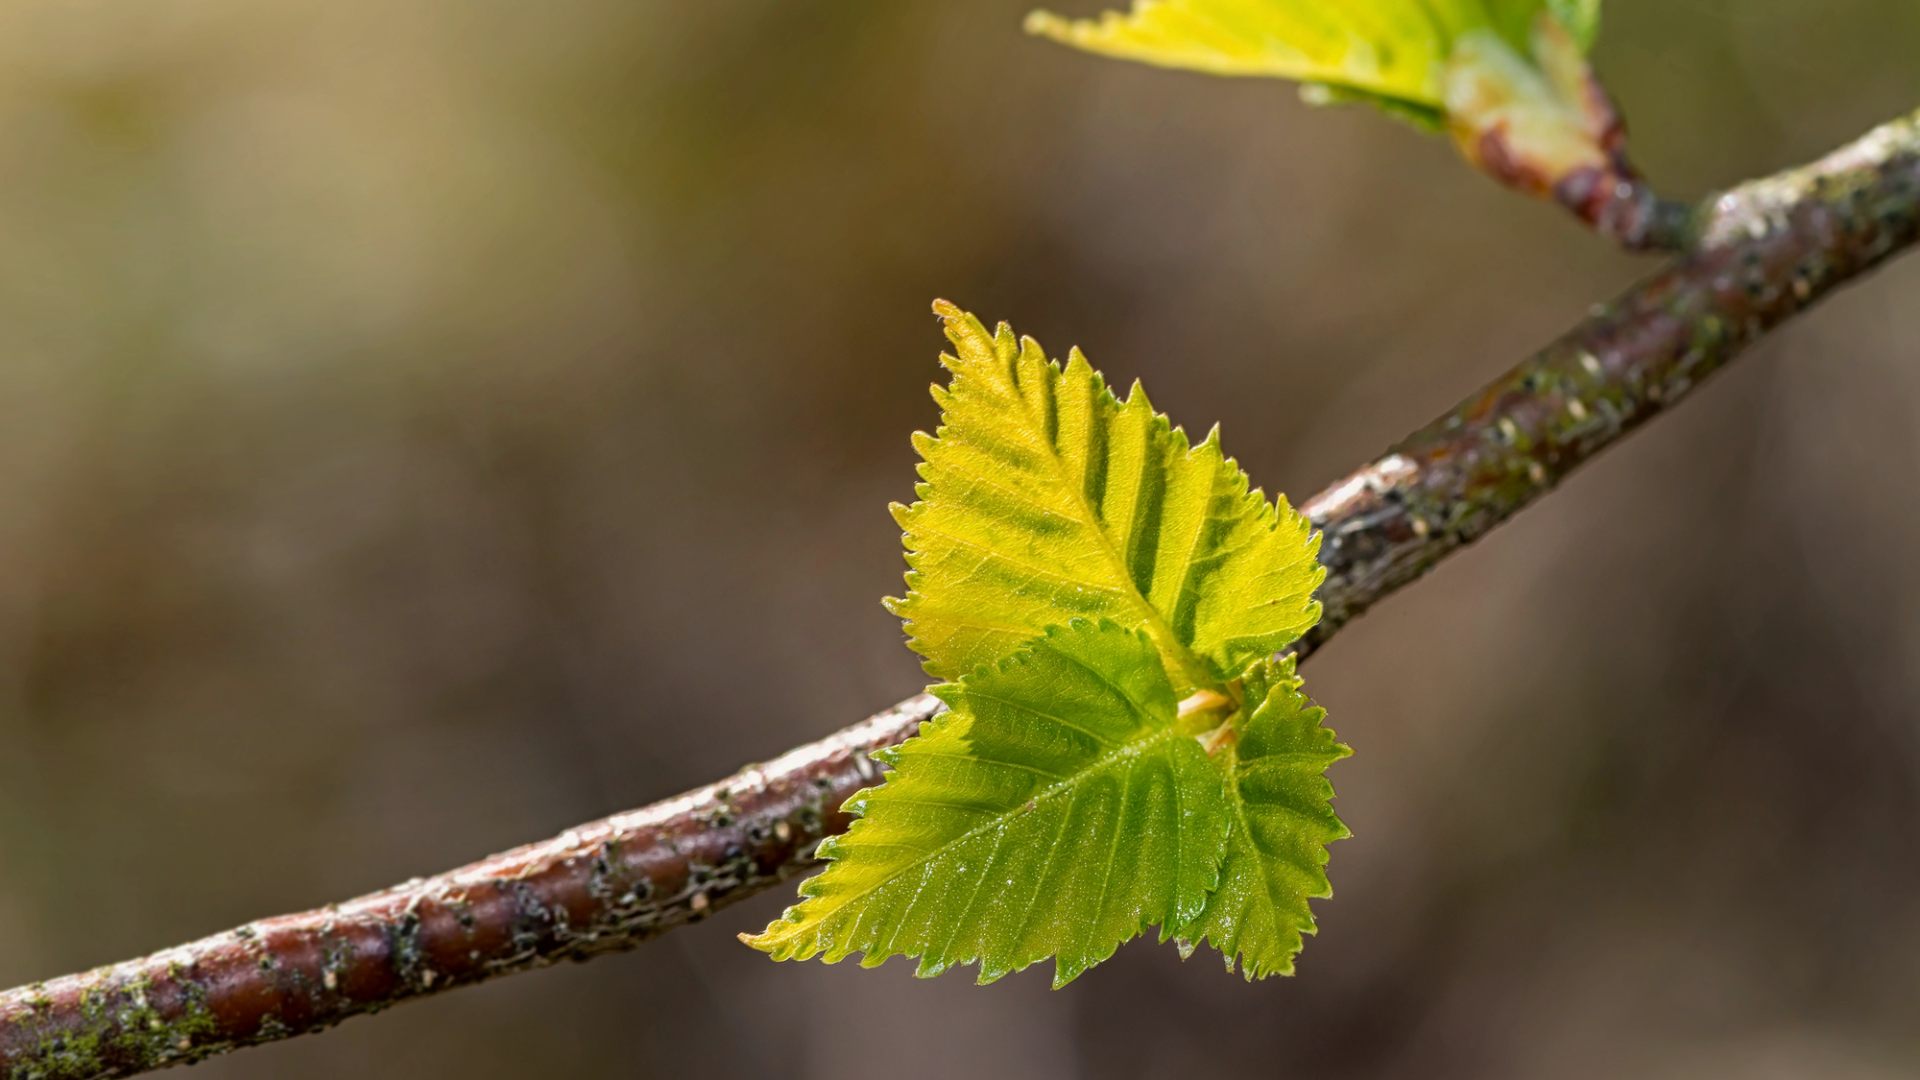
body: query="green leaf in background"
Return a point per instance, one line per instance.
(1580, 17)
(1515, 19)
(1044, 498)
(1283, 820)
(1057, 810)
(1393, 53)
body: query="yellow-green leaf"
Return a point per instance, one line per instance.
(1393, 53)
(1281, 806)
(1056, 810)
(1044, 498)
(1580, 17)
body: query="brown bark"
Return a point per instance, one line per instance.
(1764, 252)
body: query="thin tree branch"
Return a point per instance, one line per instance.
(1621, 206)
(1766, 251)
(1763, 253)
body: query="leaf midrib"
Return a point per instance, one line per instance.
(1189, 663)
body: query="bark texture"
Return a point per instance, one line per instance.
(1762, 253)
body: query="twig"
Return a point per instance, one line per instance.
(1767, 250)
(1764, 252)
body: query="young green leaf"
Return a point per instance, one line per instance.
(1044, 499)
(1389, 49)
(1283, 820)
(1057, 810)
(1580, 17)
(1394, 52)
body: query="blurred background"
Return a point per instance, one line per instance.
(428, 425)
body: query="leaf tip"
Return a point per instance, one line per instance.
(971, 339)
(768, 942)
(1043, 23)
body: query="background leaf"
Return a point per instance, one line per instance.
(1392, 53)
(1387, 48)
(1580, 17)
(1044, 498)
(1281, 806)
(1514, 19)
(1055, 811)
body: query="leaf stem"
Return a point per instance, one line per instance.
(1545, 125)
(1206, 710)
(1223, 736)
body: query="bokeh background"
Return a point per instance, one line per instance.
(427, 425)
